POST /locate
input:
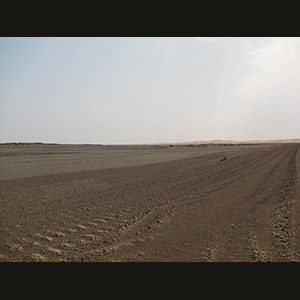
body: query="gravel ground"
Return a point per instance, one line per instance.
(18, 161)
(141, 203)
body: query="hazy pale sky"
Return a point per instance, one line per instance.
(148, 90)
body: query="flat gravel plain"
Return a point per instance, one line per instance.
(207, 203)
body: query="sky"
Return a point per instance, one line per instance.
(123, 90)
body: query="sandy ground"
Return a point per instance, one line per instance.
(19, 161)
(150, 203)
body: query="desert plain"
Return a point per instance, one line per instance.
(150, 203)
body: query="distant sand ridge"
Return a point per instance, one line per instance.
(284, 141)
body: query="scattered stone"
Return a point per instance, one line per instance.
(80, 226)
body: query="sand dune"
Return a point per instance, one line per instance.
(282, 141)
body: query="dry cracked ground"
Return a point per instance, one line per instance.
(147, 203)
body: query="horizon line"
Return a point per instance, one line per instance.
(215, 141)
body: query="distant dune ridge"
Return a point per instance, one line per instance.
(245, 142)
